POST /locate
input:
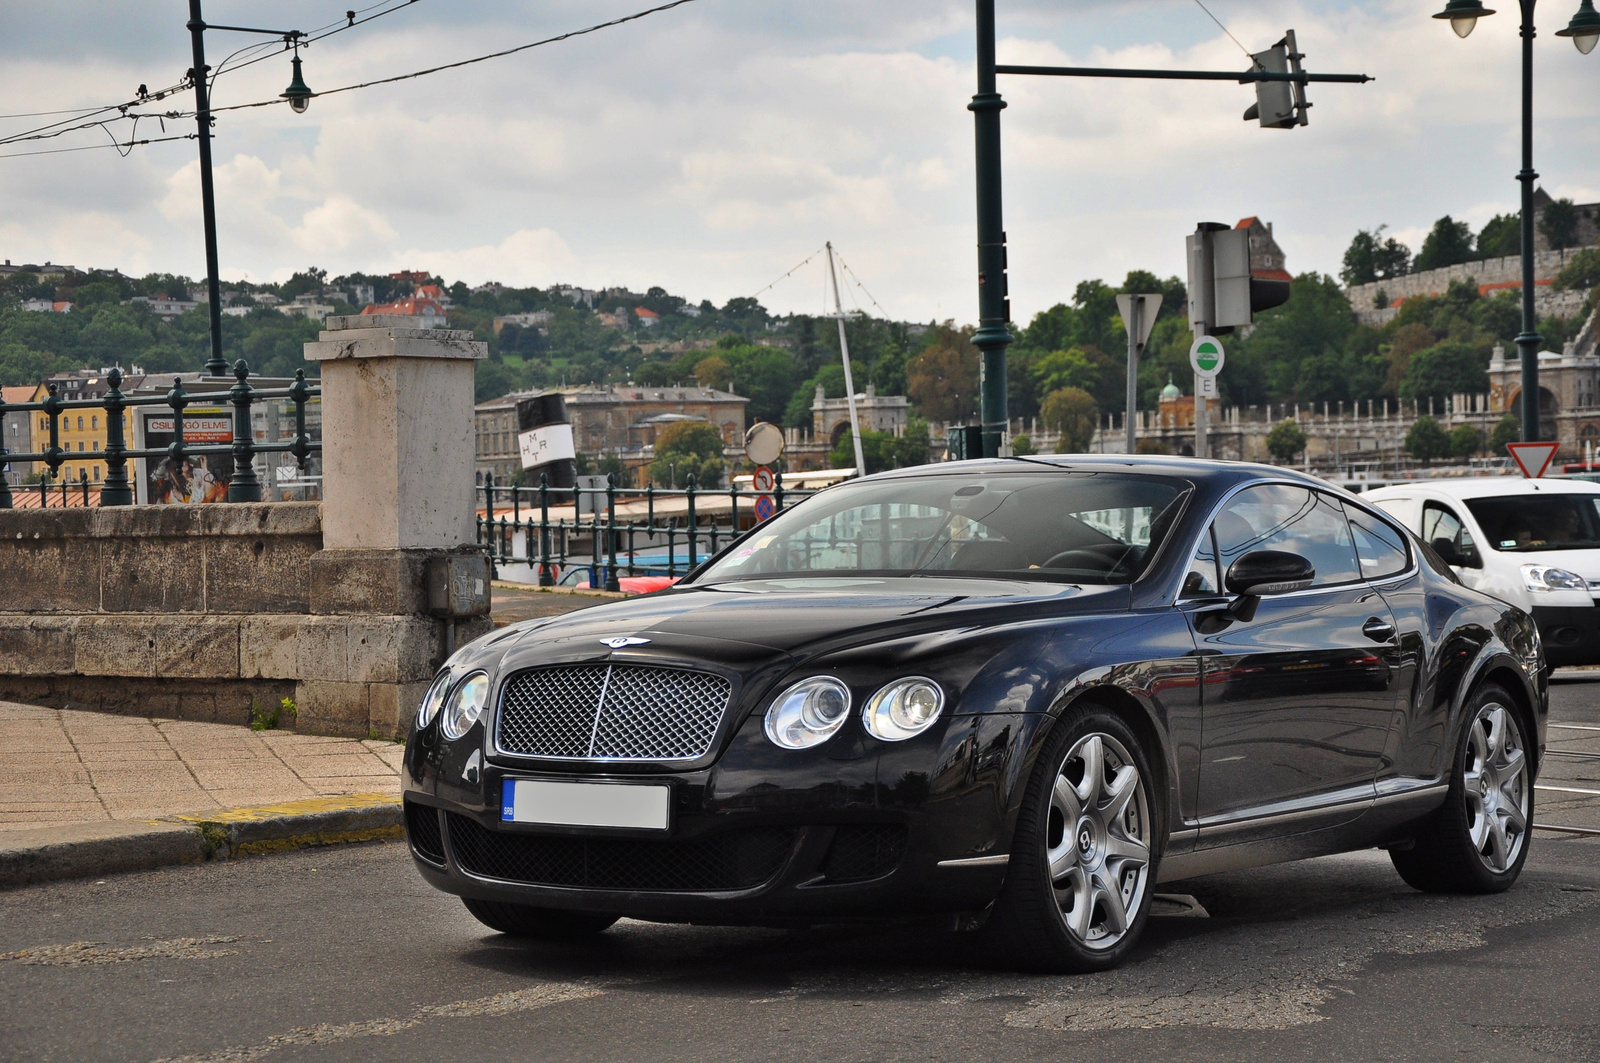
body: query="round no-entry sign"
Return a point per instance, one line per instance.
(1206, 355)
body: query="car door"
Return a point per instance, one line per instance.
(1452, 540)
(1298, 700)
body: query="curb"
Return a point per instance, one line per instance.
(86, 849)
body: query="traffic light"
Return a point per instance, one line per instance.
(1279, 104)
(1222, 292)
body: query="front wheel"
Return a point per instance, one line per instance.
(1478, 841)
(544, 924)
(1077, 893)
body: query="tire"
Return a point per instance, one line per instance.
(542, 924)
(1083, 861)
(1478, 840)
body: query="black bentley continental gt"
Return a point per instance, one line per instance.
(1018, 692)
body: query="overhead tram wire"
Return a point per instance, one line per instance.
(461, 63)
(1225, 29)
(130, 145)
(321, 33)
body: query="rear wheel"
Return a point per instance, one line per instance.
(1478, 841)
(1077, 892)
(544, 924)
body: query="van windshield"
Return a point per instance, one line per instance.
(1521, 523)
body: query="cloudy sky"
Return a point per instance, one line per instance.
(710, 148)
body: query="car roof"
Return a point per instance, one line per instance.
(1220, 473)
(1467, 487)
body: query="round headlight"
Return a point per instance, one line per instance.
(465, 706)
(902, 709)
(433, 700)
(808, 712)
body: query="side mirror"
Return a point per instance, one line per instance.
(1269, 572)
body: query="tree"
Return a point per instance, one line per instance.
(1370, 257)
(1072, 412)
(688, 448)
(1286, 440)
(1465, 441)
(1582, 270)
(1449, 368)
(1508, 430)
(712, 372)
(1558, 221)
(1448, 243)
(1022, 446)
(1426, 440)
(1501, 237)
(943, 379)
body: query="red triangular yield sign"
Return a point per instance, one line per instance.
(1532, 458)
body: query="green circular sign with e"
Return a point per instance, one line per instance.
(1206, 356)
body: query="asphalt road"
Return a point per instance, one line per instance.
(345, 955)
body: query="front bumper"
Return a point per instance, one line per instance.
(855, 827)
(1571, 634)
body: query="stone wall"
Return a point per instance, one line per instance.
(203, 612)
(1492, 273)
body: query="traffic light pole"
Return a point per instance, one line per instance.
(994, 309)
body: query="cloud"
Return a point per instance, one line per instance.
(711, 148)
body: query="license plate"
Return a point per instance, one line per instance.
(577, 804)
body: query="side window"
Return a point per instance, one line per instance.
(1381, 548)
(1202, 578)
(1443, 530)
(1295, 520)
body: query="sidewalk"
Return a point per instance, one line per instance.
(87, 794)
(60, 767)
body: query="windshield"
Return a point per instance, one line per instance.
(1064, 526)
(1514, 523)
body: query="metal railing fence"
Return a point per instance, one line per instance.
(117, 490)
(614, 532)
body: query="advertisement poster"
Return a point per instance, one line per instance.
(197, 478)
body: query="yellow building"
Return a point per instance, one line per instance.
(83, 432)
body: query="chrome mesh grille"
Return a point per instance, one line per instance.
(612, 712)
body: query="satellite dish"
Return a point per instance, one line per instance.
(763, 443)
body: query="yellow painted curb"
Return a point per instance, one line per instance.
(309, 806)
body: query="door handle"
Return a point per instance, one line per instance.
(1378, 630)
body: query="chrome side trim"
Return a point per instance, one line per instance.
(978, 861)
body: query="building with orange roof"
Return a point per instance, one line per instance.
(429, 310)
(646, 317)
(1267, 259)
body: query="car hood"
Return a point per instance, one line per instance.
(752, 618)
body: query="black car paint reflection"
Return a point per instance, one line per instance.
(1290, 733)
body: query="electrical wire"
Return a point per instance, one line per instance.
(1224, 29)
(802, 262)
(464, 62)
(846, 266)
(130, 145)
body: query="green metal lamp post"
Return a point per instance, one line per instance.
(298, 95)
(994, 308)
(1584, 29)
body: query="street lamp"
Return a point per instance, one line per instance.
(299, 97)
(298, 94)
(1584, 29)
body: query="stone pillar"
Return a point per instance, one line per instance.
(397, 433)
(397, 461)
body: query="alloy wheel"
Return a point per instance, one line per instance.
(1097, 841)
(1495, 784)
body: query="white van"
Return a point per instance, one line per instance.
(1533, 543)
